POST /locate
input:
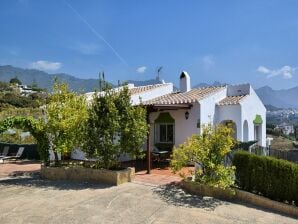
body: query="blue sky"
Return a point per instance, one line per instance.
(229, 41)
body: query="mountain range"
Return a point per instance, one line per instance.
(285, 98)
(45, 80)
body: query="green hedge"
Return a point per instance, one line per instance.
(273, 178)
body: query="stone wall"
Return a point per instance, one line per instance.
(114, 177)
(239, 195)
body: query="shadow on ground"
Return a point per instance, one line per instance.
(173, 194)
(36, 181)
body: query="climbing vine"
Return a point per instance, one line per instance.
(35, 127)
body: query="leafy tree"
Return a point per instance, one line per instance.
(24, 112)
(133, 125)
(65, 113)
(16, 138)
(37, 129)
(114, 127)
(61, 129)
(15, 80)
(208, 150)
(102, 130)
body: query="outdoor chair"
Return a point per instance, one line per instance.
(4, 152)
(159, 155)
(14, 157)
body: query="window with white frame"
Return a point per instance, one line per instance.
(164, 133)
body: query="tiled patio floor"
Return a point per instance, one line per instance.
(21, 167)
(158, 176)
(155, 179)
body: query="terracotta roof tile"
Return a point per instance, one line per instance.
(140, 89)
(191, 96)
(231, 100)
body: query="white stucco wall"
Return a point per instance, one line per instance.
(183, 128)
(247, 110)
(230, 112)
(251, 106)
(156, 92)
(208, 113)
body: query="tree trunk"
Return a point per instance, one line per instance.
(56, 158)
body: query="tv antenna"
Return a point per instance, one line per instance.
(101, 80)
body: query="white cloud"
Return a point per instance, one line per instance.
(141, 69)
(263, 69)
(208, 62)
(46, 65)
(286, 72)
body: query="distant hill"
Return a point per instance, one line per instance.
(271, 108)
(45, 80)
(145, 82)
(285, 98)
(203, 84)
(148, 82)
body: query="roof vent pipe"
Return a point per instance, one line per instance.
(184, 82)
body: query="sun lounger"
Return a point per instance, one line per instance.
(4, 152)
(14, 157)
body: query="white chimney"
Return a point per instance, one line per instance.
(184, 82)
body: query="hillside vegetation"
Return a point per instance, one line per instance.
(281, 143)
(14, 103)
(11, 98)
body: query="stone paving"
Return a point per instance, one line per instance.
(32, 200)
(154, 198)
(18, 168)
(158, 176)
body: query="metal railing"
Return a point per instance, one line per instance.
(259, 150)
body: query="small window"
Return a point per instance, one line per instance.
(199, 123)
(164, 133)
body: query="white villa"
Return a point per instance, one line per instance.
(175, 116)
(285, 128)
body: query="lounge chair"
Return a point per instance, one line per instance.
(14, 157)
(4, 152)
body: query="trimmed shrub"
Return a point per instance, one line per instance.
(273, 178)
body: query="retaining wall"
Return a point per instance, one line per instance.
(114, 177)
